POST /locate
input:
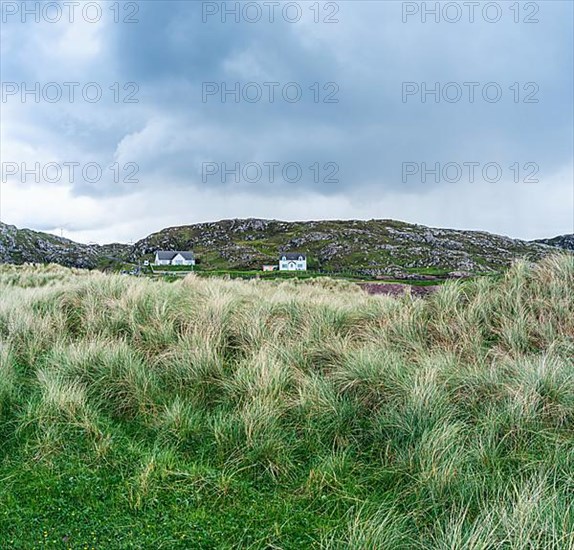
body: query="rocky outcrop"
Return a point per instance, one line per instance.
(19, 246)
(373, 248)
(376, 248)
(565, 242)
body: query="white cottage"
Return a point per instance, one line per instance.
(174, 257)
(293, 262)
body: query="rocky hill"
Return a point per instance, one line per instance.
(565, 242)
(374, 247)
(19, 246)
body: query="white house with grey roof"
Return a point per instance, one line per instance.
(174, 257)
(293, 262)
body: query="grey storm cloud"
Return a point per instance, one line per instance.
(175, 54)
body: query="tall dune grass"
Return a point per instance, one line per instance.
(443, 422)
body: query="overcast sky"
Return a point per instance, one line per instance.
(351, 146)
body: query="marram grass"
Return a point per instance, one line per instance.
(252, 414)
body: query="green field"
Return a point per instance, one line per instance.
(173, 273)
(221, 413)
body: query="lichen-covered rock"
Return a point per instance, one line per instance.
(19, 246)
(374, 248)
(565, 242)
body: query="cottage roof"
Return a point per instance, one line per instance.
(292, 256)
(171, 254)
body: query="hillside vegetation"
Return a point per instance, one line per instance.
(368, 248)
(566, 242)
(19, 246)
(209, 413)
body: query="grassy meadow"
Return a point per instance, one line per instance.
(210, 413)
